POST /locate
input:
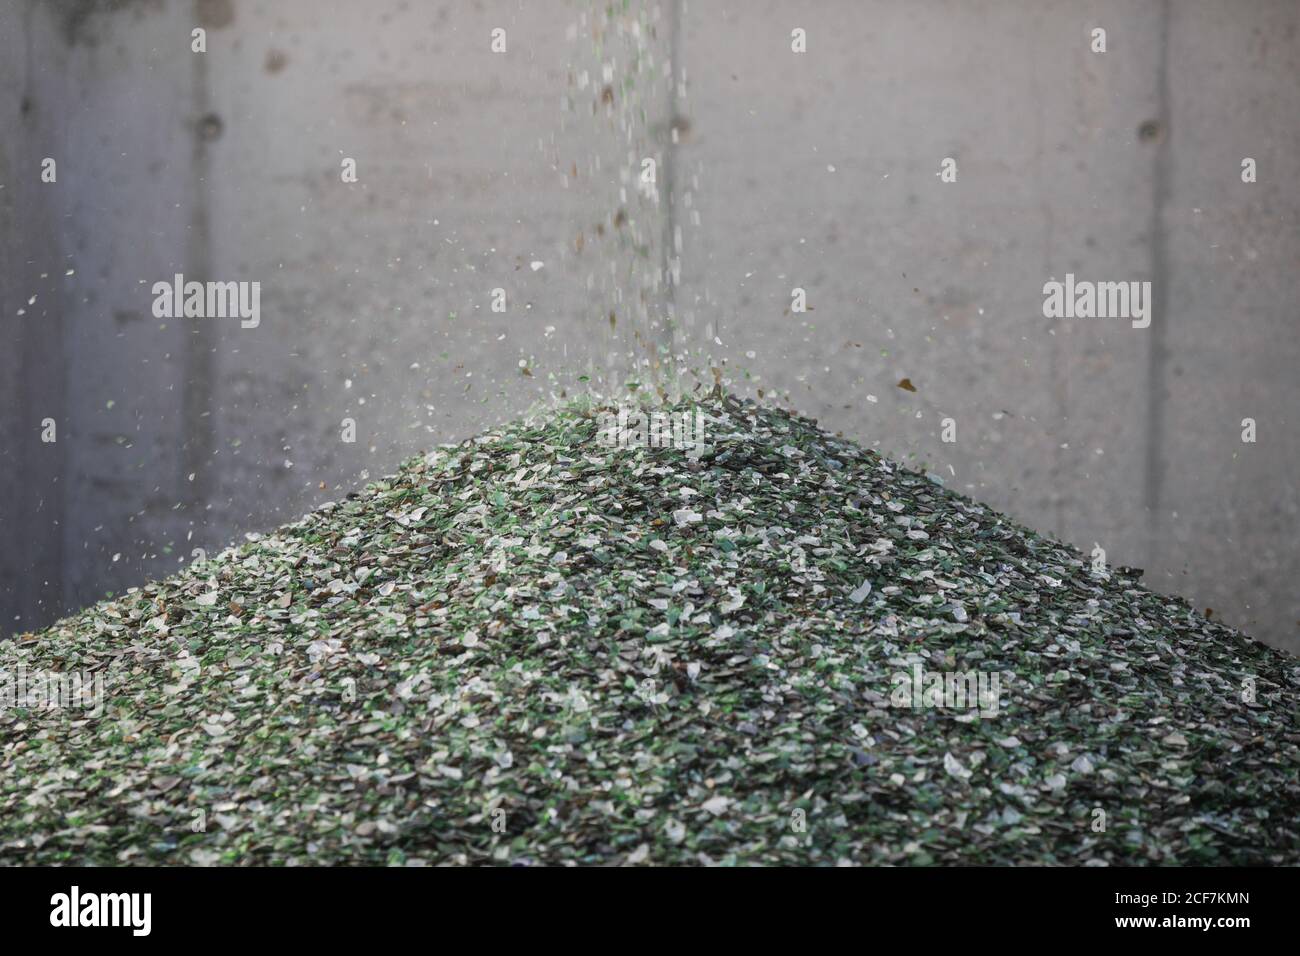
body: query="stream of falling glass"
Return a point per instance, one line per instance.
(628, 78)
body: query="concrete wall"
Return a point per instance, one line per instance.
(816, 170)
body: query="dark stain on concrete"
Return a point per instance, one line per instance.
(1151, 131)
(215, 14)
(210, 127)
(75, 15)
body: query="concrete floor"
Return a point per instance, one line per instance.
(816, 170)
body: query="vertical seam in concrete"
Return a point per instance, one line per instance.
(196, 418)
(1156, 351)
(42, 371)
(1060, 400)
